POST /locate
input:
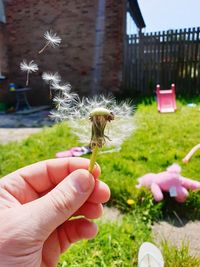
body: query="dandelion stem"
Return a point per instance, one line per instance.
(27, 78)
(93, 159)
(50, 93)
(42, 50)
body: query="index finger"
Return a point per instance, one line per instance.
(43, 176)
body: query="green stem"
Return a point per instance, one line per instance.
(93, 159)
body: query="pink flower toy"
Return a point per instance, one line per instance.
(168, 181)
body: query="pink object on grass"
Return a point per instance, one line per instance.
(73, 152)
(189, 155)
(168, 181)
(166, 99)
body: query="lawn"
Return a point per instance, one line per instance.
(158, 141)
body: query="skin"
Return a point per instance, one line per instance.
(36, 203)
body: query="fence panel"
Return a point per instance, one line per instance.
(163, 57)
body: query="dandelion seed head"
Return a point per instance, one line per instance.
(52, 38)
(77, 111)
(100, 111)
(28, 67)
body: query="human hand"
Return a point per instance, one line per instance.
(36, 203)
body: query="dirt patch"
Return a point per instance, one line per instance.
(177, 232)
(7, 135)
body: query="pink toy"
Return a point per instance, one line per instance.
(169, 181)
(73, 152)
(166, 99)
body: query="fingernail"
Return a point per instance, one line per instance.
(83, 181)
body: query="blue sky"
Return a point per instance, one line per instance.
(170, 14)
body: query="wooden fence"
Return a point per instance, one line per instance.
(162, 57)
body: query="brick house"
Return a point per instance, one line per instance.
(3, 60)
(91, 54)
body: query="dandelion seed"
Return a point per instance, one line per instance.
(99, 111)
(29, 68)
(51, 78)
(52, 39)
(61, 87)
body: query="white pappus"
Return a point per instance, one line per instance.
(52, 39)
(28, 68)
(69, 107)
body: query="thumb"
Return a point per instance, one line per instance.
(63, 201)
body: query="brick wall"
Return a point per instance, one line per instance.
(3, 52)
(76, 23)
(113, 45)
(3, 60)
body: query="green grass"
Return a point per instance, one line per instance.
(178, 257)
(37, 147)
(160, 140)
(115, 245)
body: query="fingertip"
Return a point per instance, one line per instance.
(75, 230)
(88, 229)
(95, 230)
(90, 210)
(84, 179)
(101, 193)
(106, 189)
(96, 171)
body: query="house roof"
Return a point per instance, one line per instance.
(2, 12)
(136, 14)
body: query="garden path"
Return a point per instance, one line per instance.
(9, 134)
(179, 232)
(15, 127)
(176, 232)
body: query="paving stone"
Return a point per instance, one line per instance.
(37, 119)
(15, 127)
